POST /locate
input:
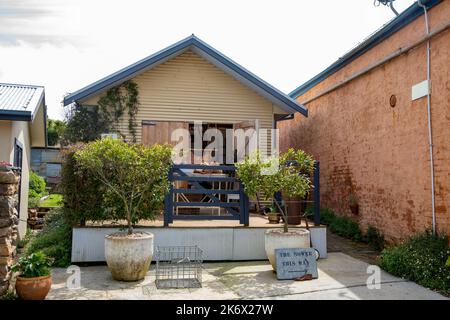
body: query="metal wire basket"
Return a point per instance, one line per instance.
(178, 267)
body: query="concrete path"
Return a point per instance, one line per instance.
(340, 277)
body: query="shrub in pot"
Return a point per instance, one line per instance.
(34, 280)
(273, 215)
(290, 174)
(135, 183)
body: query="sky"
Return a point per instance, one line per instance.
(66, 45)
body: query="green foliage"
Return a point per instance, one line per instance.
(87, 123)
(420, 259)
(342, 226)
(81, 190)
(34, 265)
(116, 101)
(290, 174)
(53, 200)
(33, 202)
(374, 238)
(84, 124)
(10, 295)
(134, 177)
(36, 186)
(327, 216)
(55, 130)
(346, 227)
(26, 239)
(54, 240)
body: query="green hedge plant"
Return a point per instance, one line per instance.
(422, 259)
(80, 190)
(36, 185)
(134, 178)
(54, 240)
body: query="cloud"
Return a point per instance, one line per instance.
(37, 22)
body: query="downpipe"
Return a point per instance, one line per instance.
(430, 132)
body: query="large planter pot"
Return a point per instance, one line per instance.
(277, 239)
(33, 288)
(293, 211)
(295, 208)
(129, 256)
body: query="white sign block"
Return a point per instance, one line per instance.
(419, 90)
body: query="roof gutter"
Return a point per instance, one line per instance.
(15, 115)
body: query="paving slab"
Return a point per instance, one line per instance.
(340, 277)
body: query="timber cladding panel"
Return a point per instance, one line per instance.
(160, 131)
(188, 88)
(378, 152)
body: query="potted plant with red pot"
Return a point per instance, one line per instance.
(34, 280)
(353, 204)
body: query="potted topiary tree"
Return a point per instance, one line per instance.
(34, 280)
(135, 183)
(289, 173)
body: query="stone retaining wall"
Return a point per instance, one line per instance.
(9, 220)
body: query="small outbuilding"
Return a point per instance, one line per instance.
(22, 126)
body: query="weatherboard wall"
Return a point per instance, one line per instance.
(188, 88)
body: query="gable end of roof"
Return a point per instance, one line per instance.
(199, 46)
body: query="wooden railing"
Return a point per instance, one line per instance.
(238, 210)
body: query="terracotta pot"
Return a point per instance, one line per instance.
(33, 288)
(293, 211)
(295, 207)
(129, 256)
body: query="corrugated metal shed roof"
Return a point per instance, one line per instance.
(19, 102)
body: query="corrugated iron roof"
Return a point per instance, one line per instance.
(20, 100)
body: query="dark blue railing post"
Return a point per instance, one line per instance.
(316, 193)
(241, 204)
(168, 201)
(246, 202)
(244, 215)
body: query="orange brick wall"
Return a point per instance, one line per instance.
(377, 152)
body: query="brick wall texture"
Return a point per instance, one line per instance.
(377, 152)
